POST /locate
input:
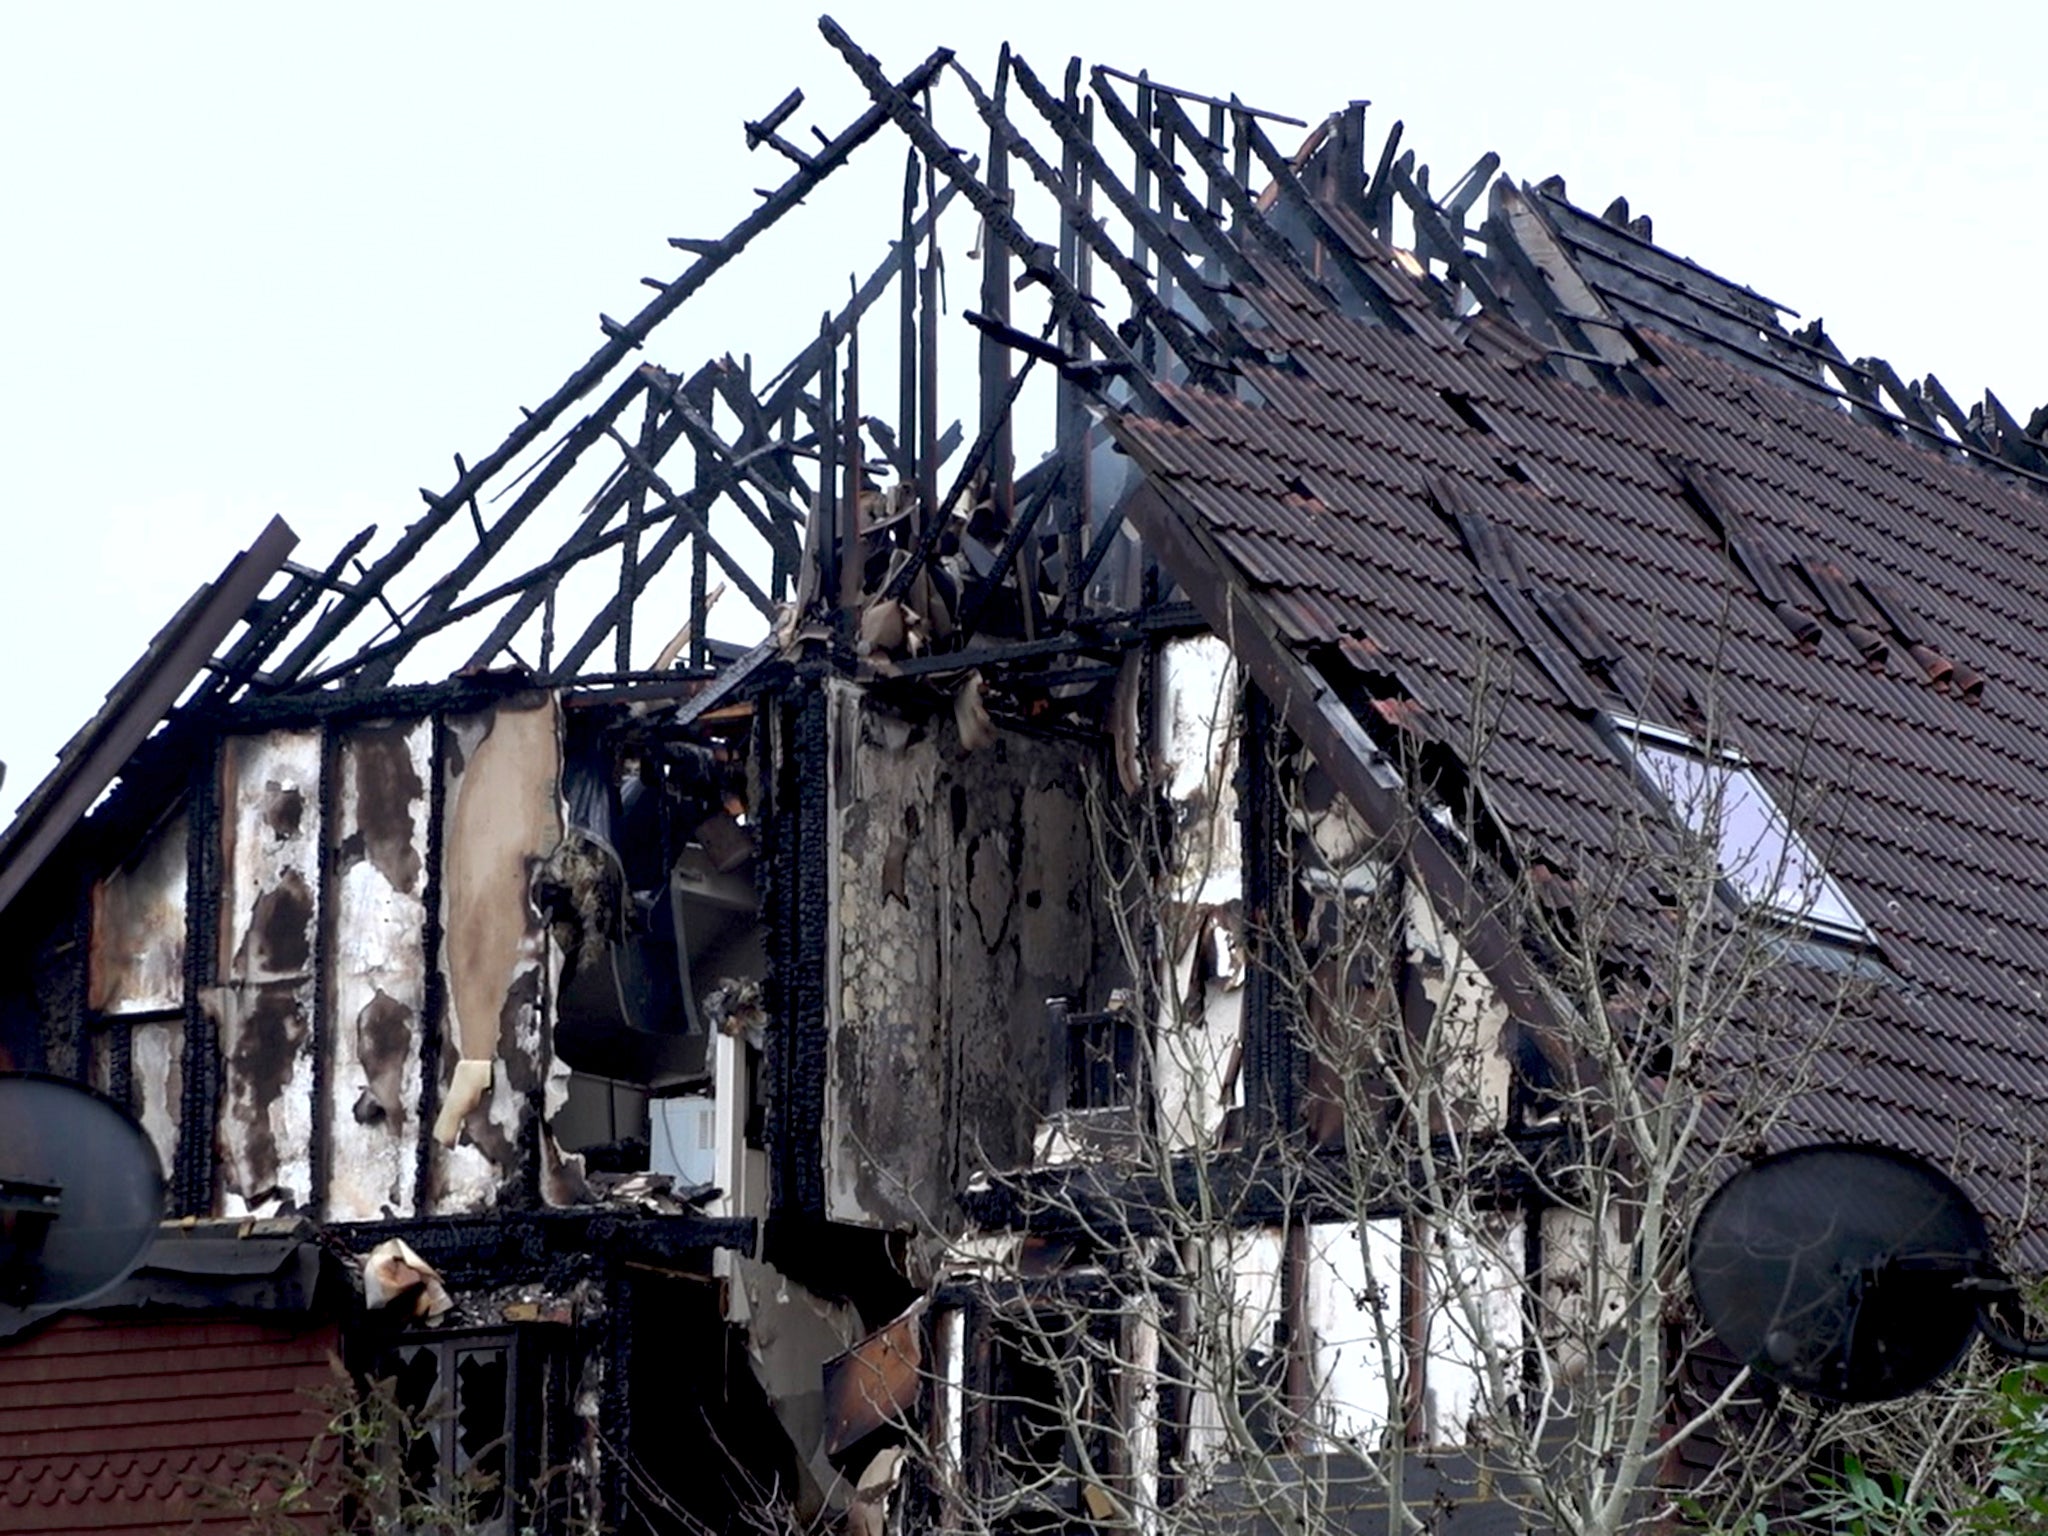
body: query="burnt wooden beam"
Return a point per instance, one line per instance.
(1851, 380)
(827, 530)
(267, 624)
(191, 1177)
(531, 583)
(687, 522)
(948, 162)
(1071, 426)
(906, 332)
(1369, 285)
(1379, 187)
(1147, 226)
(763, 131)
(700, 554)
(1446, 242)
(1197, 97)
(935, 526)
(446, 592)
(691, 509)
(1007, 337)
(780, 534)
(2008, 438)
(1202, 217)
(1559, 300)
(617, 347)
(374, 666)
(1906, 403)
(1244, 207)
(852, 515)
(785, 390)
(1137, 282)
(927, 360)
(1958, 420)
(532, 588)
(636, 511)
(997, 397)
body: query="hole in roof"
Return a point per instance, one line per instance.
(1462, 407)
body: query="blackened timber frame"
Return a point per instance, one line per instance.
(192, 1179)
(1274, 1063)
(794, 730)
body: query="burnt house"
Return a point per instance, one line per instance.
(625, 1038)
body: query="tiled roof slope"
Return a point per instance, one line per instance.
(113, 1424)
(1931, 797)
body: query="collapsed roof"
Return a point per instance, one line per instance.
(1388, 436)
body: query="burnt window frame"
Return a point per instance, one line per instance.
(517, 1445)
(981, 1421)
(1100, 1054)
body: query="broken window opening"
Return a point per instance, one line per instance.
(654, 907)
(1762, 860)
(1334, 1336)
(1053, 1443)
(453, 1402)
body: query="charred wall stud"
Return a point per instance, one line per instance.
(434, 1009)
(192, 1184)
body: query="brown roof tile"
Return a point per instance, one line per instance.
(1939, 829)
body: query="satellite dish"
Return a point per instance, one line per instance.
(1849, 1273)
(81, 1192)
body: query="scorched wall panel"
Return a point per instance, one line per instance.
(378, 948)
(264, 1004)
(501, 817)
(963, 897)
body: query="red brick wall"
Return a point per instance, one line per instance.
(115, 1424)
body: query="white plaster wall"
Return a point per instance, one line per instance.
(157, 1062)
(138, 931)
(264, 1006)
(1474, 1284)
(379, 971)
(501, 817)
(1196, 1039)
(1238, 1309)
(1352, 1306)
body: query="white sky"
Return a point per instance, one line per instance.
(277, 259)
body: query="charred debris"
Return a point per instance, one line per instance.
(658, 996)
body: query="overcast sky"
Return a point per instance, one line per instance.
(266, 259)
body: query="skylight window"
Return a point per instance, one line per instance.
(1764, 862)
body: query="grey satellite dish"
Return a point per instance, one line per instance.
(1855, 1274)
(81, 1192)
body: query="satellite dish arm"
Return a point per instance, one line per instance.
(1995, 1288)
(2005, 1341)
